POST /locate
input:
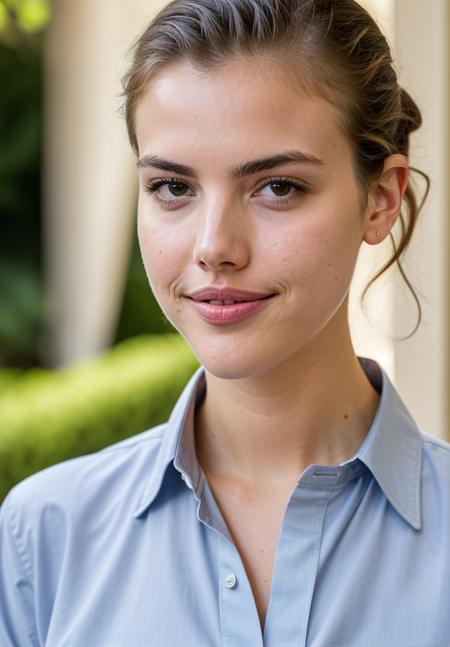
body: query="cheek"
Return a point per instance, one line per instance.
(337, 252)
(318, 257)
(314, 251)
(161, 252)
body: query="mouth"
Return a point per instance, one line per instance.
(222, 313)
(230, 302)
(226, 294)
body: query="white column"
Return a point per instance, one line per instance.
(422, 31)
(417, 32)
(90, 179)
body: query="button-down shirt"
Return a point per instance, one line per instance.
(127, 547)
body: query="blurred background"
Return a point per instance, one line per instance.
(72, 283)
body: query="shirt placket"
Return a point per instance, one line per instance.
(239, 616)
(297, 559)
(294, 572)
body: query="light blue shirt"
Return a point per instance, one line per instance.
(127, 547)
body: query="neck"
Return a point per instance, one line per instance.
(264, 431)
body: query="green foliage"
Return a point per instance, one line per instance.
(21, 290)
(21, 318)
(29, 16)
(9, 378)
(3, 17)
(47, 416)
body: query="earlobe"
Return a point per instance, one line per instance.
(386, 199)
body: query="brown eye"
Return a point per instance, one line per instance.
(284, 190)
(177, 188)
(165, 191)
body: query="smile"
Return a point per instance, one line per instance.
(221, 313)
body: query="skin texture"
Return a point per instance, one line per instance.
(284, 387)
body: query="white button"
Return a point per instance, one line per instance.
(230, 581)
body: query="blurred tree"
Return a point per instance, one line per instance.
(21, 293)
(22, 16)
(22, 308)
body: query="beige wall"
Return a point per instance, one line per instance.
(422, 362)
(419, 366)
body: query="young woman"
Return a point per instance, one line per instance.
(290, 500)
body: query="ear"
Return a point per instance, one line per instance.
(386, 199)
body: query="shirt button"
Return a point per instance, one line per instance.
(230, 582)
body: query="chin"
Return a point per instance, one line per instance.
(248, 353)
(227, 372)
(239, 365)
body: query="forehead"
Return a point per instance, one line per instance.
(243, 104)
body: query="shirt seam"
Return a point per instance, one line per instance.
(32, 633)
(21, 550)
(131, 444)
(436, 443)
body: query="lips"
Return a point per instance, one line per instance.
(226, 293)
(229, 314)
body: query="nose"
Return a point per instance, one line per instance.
(222, 237)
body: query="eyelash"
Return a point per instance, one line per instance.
(154, 185)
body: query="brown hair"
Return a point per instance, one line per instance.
(334, 47)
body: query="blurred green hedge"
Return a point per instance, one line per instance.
(47, 416)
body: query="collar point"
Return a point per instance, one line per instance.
(415, 522)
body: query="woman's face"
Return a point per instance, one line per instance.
(294, 229)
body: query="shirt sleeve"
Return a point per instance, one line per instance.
(17, 624)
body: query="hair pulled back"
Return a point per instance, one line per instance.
(335, 49)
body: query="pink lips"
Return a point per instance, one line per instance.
(247, 303)
(224, 293)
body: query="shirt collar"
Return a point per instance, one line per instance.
(177, 444)
(392, 449)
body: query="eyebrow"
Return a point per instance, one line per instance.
(235, 172)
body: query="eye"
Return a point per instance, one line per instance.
(285, 190)
(175, 189)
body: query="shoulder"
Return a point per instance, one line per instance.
(63, 516)
(116, 472)
(436, 476)
(436, 452)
